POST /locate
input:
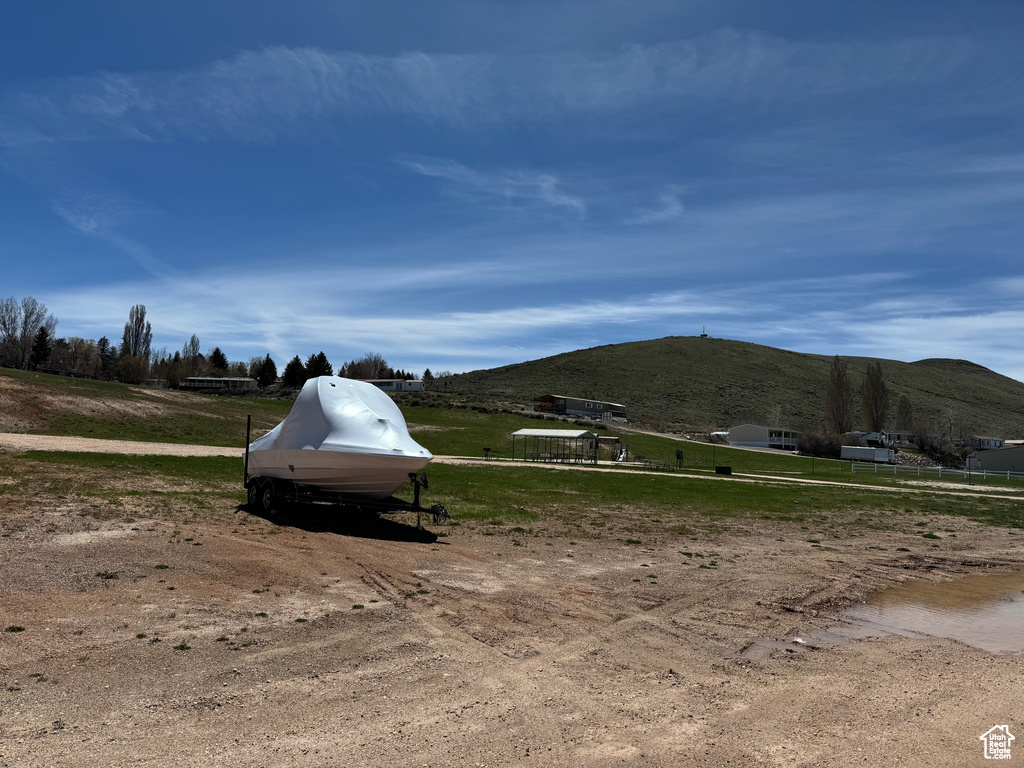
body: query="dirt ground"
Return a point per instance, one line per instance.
(306, 639)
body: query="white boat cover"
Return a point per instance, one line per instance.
(336, 414)
(341, 434)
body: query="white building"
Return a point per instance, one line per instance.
(756, 436)
(397, 385)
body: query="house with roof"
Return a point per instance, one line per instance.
(397, 385)
(980, 443)
(756, 436)
(566, 405)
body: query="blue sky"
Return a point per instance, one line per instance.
(461, 185)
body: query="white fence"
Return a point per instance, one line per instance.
(966, 474)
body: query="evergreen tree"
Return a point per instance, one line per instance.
(218, 361)
(294, 373)
(268, 372)
(318, 365)
(40, 349)
(175, 367)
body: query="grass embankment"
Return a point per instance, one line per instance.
(58, 405)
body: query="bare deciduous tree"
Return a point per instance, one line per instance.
(874, 398)
(192, 359)
(19, 324)
(135, 346)
(904, 414)
(838, 400)
(138, 333)
(370, 366)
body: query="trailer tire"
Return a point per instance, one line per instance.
(267, 496)
(253, 493)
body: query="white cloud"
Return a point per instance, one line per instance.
(669, 208)
(286, 93)
(509, 185)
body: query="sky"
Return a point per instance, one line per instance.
(462, 185)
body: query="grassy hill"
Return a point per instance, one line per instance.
(698, 383)
(42, 404)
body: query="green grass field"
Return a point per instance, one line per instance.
(515, 495)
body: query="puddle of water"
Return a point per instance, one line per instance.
(984, 611)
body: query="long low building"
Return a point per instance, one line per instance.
(756, 436)
(214, 384)
(397, 385)
(998, 460)
(565, 405)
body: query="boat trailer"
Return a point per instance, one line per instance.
(268, 494)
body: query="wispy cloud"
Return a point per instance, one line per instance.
(280, 93)
(525, 186)
(102, 215)
(669, 208)
(297, 312)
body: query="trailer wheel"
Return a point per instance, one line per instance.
(267, 496)
(254, 493)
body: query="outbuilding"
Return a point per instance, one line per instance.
(215, 384)
(562, 446)
(997, 460)
(397, 385)
(564, 405)
(756, 436)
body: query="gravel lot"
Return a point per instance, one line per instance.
(310, 639)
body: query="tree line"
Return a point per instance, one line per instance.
(937, 437)
(28, 341)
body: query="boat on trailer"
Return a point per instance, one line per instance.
(341, 438)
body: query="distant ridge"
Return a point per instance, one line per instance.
(690, 382)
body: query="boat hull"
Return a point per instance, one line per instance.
(370, 475)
